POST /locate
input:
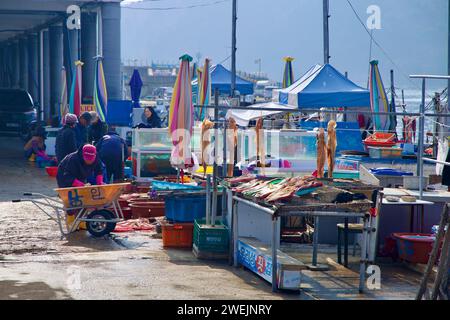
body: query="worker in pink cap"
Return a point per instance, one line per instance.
(78, 167)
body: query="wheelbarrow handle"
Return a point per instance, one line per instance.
(16, 200)
(27, 194)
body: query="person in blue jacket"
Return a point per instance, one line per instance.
(79, 167)
(113, 151)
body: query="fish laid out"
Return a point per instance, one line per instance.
(276, 189)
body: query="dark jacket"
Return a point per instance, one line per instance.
(154, 121)
(446, 172)
(65, 142)
(81, 134)
(73, 167)
(112, 147)
(96, 131)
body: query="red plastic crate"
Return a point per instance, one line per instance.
(177, 235)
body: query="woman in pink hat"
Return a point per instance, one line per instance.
(79, 166)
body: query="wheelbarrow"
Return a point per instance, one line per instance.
(97, 206)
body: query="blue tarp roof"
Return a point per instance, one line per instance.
(324, 86)
(221, 79)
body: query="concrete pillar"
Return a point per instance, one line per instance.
(11, 63)
(46, 84)
(2, 65)
(23, 54)
(88, 52)
(73, 45)
(111, 48)
(56, 63)
(16, 63)
(33, 67)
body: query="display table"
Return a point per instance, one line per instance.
(417, 206)
(270, 216)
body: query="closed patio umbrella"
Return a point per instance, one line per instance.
(100, 93)
(181, 116)
(135, 87)
(75, 91)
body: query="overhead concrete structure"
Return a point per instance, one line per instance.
(56, 64)
(36, 40)
(111, 48)
(88, 53)
(33, 66)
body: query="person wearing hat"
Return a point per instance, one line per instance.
(97, 129)
(66, 141)
(78, 167)
(81, 129)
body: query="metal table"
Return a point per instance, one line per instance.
(287, 211)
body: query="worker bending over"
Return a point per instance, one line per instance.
(113, 151)
(80, 167)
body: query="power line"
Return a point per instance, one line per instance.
(381, 48)
(177, 8)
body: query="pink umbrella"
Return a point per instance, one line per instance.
(181, 116)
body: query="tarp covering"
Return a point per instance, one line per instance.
(243, 117)
(324, 86)
(221, 80)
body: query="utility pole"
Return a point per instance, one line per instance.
(233, 49)
(326, 36)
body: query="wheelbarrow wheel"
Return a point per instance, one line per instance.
(99, 229)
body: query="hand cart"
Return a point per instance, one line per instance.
(97, 206)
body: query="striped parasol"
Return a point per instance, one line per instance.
(288, 79)
(63, 105)
(100, 94)
(288, 75)
(75, 91)
(378, 99)
(181, 115)
(204, 90)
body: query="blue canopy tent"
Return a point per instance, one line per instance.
(324, 86)
(221, 80)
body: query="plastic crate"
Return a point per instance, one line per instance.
(385, 153)
(211, 239)
(187, 206)
(177, 235)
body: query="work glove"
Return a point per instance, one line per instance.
(77, 183)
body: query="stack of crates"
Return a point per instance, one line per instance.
(210, 242)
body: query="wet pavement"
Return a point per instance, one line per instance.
(36, 264)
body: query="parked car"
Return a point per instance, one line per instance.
(17, 112)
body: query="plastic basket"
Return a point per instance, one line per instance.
(211, 238)
(177, 235)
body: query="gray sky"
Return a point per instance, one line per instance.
(413, 33)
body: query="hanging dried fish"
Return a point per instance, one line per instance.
(321, 153)
(331, 146)
(206, 141)
(260, 152)
(232, 143)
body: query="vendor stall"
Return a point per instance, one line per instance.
(258, 205)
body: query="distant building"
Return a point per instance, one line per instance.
(154, 76)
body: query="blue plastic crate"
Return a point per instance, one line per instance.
(185, 207)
